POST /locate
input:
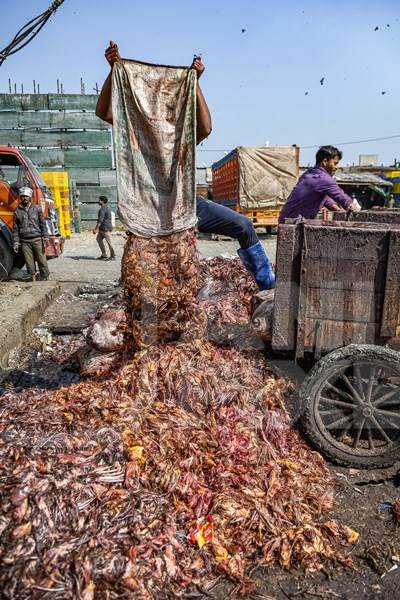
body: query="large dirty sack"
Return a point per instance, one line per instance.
(154, 119)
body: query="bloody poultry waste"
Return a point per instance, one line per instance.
(176, 466)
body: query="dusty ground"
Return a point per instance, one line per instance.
(78, 262)
(88, 284)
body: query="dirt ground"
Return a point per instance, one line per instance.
(88, 284)
(78, 262)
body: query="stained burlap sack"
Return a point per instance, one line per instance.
(154, 116)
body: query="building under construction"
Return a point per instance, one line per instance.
(60, 132)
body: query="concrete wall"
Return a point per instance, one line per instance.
(61, 131)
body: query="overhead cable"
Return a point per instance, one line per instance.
(378, 139)
(29, 31)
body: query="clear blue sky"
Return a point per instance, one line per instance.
(255, 81)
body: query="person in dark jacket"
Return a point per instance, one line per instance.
(104, 229)
(30, 234)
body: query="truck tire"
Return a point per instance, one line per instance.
(350, 406)
(6, 259)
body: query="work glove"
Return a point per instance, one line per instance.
(16, 247)
(355, 206)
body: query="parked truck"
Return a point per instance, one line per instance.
(16, 170)
(367, 188)
(256, 181)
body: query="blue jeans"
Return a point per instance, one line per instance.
(215, 218)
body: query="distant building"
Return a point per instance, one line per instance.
(368, 160)
(61, 132)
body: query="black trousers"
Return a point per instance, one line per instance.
(215, 218)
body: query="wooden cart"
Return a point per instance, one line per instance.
(337, 302)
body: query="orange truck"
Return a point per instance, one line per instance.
(256, 181)
(16, 171)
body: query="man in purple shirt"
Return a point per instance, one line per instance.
(317, 188)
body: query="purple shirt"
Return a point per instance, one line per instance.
(315, 188)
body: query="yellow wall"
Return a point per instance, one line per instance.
(395, 176)
(57, 181)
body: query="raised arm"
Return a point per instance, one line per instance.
(203, 116)
(103, 108)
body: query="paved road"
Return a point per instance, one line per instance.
(78, 262)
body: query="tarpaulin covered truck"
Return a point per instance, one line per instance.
(256, 181)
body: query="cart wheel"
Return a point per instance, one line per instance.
(350, 403)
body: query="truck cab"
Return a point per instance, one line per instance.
(16, 171)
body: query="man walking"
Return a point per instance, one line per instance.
(30, 234)
(104, 229)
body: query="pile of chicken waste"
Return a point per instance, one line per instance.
(177, 466)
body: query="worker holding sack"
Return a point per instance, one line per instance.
(211, 217)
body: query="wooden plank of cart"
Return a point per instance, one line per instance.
(337, 305)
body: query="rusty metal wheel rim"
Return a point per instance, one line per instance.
(357, 407)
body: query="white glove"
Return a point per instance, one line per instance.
(355, 206)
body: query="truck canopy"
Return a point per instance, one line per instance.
(266, 175)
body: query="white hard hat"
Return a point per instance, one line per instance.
(26, 191)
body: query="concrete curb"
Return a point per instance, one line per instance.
(21, 307)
